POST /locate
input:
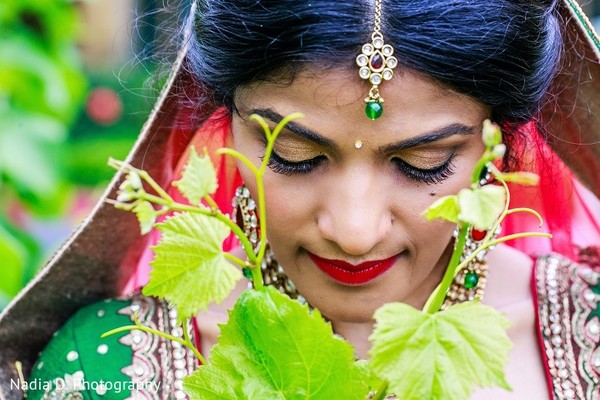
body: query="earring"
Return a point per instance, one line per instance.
(470, 282)
(245, 215)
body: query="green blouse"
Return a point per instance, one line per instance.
(78, 364)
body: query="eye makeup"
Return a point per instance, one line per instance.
(284, 167)
(429, 175)
(433, 175)
(299, 151)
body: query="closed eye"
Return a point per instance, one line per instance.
(430, 175)
(285, 167)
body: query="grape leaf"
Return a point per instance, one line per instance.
(481, 207)
(189, 268)
(442, 355)
(146, 215)
(199, 178)
(272, 347)
(444, 208)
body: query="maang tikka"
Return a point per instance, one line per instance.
(376, 63)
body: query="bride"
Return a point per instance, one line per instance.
(347, 184)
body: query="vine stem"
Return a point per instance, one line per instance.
(172, 205)
(138, 326)
(271, 137)
(237, 261)
(486, 158)
(435, 301)
(255, 259)
(381, 391)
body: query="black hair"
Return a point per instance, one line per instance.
(502, 52)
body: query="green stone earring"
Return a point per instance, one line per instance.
(376, 63)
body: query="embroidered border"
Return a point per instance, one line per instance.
(586, 326)
(156, 362)
(554, 308)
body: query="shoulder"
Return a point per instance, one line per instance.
(509, 277)
(567, 295)
(78, 363)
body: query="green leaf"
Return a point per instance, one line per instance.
(373, 381)
(272, 347)
(481, 207)
(199, 178)
(189, 268)
(146, 215)
(443, 208)
(442, 355)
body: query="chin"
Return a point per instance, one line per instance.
(348, 304)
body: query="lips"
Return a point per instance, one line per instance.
(350, 274)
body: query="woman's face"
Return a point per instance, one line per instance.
(345, 221)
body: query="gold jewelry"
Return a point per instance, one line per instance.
(376, 64)
(245, 214)
(470, 282)
(358, 144)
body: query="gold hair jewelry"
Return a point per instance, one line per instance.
(376, 64)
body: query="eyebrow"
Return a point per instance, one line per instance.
(428, 137)
(293, 127)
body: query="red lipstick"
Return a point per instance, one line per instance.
(350, 274)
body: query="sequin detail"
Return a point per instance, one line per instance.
(67, 388)
(565, 315)
(156, 362)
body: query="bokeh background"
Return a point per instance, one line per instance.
(77, 80)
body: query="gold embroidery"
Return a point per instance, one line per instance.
(554, 308)
(157, 363)
(586, 326)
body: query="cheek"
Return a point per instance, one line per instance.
(290, 207)
(430, 238)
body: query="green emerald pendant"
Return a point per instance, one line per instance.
(471, 280)
(374, 109)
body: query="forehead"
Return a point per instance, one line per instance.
(333, 101)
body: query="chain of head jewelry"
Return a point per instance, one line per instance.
(376, 64)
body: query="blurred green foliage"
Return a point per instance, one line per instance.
(42, 86)
(90, 143)
(51, 143)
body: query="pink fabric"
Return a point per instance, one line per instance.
(213, 134)
(571, 213)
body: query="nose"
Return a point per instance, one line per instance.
(356, 214)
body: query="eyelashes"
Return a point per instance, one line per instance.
(429, 176)
(285, 167)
